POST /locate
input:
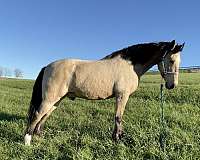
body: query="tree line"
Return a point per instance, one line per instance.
(6, 72)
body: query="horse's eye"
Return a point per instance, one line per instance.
(171, 61)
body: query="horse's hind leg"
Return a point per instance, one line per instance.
(121, 100)
(45, 107)
(39, 127)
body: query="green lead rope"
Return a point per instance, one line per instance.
(162, 137)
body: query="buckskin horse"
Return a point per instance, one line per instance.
(116, 75)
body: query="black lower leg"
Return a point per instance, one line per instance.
(117, 133)
(29, 131)
(38, 129)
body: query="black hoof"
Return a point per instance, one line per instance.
(116, 136)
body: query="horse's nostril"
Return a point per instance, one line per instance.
(172, 86)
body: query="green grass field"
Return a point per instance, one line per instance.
(82, 129)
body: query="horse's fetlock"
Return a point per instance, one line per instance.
(30, 131)
(117, 134)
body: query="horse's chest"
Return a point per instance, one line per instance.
(127, 83)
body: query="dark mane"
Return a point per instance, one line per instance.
(139, 53)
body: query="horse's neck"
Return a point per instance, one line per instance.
(141, 69)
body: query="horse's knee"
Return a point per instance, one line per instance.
(118, 119)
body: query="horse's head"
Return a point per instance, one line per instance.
(169, 64)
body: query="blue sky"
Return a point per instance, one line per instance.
(34, 33)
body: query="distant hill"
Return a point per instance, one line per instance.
(190, 69)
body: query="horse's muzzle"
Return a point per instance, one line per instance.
(171, 86)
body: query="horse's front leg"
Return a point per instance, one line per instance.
(121, 100)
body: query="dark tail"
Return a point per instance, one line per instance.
(36, 99)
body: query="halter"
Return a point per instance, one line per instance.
(165, 72)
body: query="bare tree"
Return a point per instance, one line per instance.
(1, 71)
(7, 72)
(18, 73)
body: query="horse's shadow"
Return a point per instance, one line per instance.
(10, 117)
(7, 131)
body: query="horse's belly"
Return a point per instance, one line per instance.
(93, 87)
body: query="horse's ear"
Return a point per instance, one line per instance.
(172, 45)
(181, 48)
(178, 48)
